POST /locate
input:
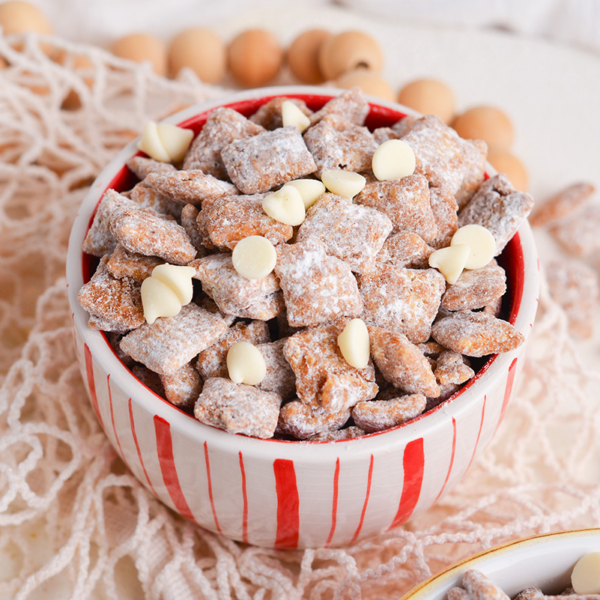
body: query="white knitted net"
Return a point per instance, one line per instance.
(74, 523)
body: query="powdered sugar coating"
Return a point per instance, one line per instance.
(123, 263)
(226, 221)
(402, 363)
(475, 154)
(383, 414)
(574, 286)
(227, 287)
(351, 104)
(444, 209)
(99, 239)
(476, 289)
(259, 163)
(452, 368)
(579, 234)
(171, 342)
(182, 387)
(189, 221)
(476, 334)
(403, 126)
(143, 166)
(223, 126)
(562, 204)
(323, 377)
(212, 362)
(402, 300)
(280, 377)
(147, 197)
(405, 250)
(269, 114)
(116, 303)
(265, 309)
(336, 143)
(498, 207)
(347, 433)
(405, 202)
(316, 287)
(352, 233)
(238, 408)
(303, 421)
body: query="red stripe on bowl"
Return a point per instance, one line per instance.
(288, 504)
(89, 369)
(210, 491)
(414, 467)
(508, 390)
(364, 509)
(336, 480)
(451, 459)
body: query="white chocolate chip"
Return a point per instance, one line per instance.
(165, 142)
(177, 279)
(292, 116)
(354, 344)
(246, 364)
(175, 140)
(481, 242)
(158, 300)
(585, 577)
(393, 159)
(310, 190)
(151, 144)
(254, 257)
(343, 183)
(450, 261)
(285, 206)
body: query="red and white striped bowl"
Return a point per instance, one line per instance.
(292, 494)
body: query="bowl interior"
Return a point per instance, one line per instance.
(511, 259)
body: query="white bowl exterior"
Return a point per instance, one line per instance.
(287, 494)
(544, 561)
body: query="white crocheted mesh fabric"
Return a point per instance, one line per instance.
(74, 523)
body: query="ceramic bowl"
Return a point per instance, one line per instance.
(542, 561)
(293, 494)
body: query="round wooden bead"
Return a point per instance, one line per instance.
(429, 97)
(303, 56)
(254, 57)
(511, 166)
(348, 51)
(200, 50)
(368, 81)
(141, 47)
(486, 123)
(19, 17)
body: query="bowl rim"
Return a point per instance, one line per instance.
(311, 451)
(448, 577)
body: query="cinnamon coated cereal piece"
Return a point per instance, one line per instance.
(259, 163)
(316, 287)
(182, 387)
(476, 334)
(323, 377)
(336, 143)
(99, 239)
(352, 105)
(533, 593)
(303, 421)
(563, 204)
(280, 377)
(383, 134)
(378, 415)
(481, 587)
(189, 221)
(430, 348)
(269, 114)
(401, 300)
(403, 126)
(171, 342)
(149, 378)
(494, 308)
(405, 250)
(189, 187)
(142, 166)
(402, 363)
(579, 234)
(238, 408)
(227, 287)
(143, 232)
(348, 433)
(123, 263)
(405, 201)
(212, 362)
(498, 207)
(476, 289)
(452, 368)
(475, 154)
(458, 593)
(147, 197)
(226, 221)
(574, 286)
(115, 303)
(352, 233)
(223, 126)
(444, 208)
(207, 303)
(265, 309)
